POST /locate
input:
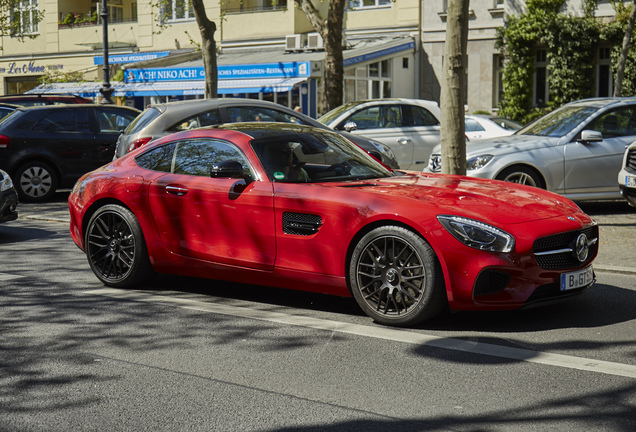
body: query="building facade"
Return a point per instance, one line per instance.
(267, 50)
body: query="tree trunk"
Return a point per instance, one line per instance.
(331, 32)
(620, 70)
(208, 48)
(453, 89)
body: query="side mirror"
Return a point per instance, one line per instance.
(227, 169)
(350, 126)
(590, 136)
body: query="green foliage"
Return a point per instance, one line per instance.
(57, 76)
(571, 44)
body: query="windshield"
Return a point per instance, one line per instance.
(315, 157)
(336, 112)
(558, 123)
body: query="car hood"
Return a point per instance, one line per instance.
(497, 202)
(508, 144)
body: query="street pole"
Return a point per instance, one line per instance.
(106, 89)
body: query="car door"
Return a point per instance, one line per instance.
(424, 130)
(592, 167)
(384, 123)
(67, 134)
(111, 122)
(221, 220)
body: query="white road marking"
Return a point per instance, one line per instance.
(379, 332)
(8, 277)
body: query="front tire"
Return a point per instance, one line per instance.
(521, 175)
(116, 249)
(396, 278)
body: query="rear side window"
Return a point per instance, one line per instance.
(422, 117)
(142, 120)
(473, 126)
(114, 120)
(259, 114)
(64, 121)
(207, 118)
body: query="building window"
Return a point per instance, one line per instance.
(371, 81)
(541, 78)
(25, 17)
(499, 3)
(173, 10)
(367, 4)
(497, 91)
(605, 79)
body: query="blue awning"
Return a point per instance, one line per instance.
(183, 88)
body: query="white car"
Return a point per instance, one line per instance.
(410, 127)
(481, 126)
(627, 175)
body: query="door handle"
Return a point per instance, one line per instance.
(404, 141)
(176, 190)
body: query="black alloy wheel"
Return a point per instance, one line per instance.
(396, 278)
(116, 249)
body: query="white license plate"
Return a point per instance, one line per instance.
(630, 181)
(577, 279)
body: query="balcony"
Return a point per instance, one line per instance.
(85, 13)
(252, 6)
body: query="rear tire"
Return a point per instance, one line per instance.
(35, 181)
(116, 249)
(396, 278)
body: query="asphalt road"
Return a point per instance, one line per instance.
(200, 355)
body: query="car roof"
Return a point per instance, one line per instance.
(188, 105)
(65, 98)
(259, 130)
(602, 102)
(75, 107)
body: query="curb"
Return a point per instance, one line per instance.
(615, 269)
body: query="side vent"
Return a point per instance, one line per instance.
(301, 223)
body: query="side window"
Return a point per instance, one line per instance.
(207, 118)
(423, 117)
(64, 121)
(114, 121)
(616, 123)
(367, 118)
(248, 114)
(196, 156)
(473, 125)
(157, 159)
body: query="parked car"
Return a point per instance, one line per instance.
(39, 99)
(49, 147)
(162, 119)
(303, 208)
(410, 127)
(627, 175)
(480, 126)
(575, 150)
(6, 109)
(8, 198)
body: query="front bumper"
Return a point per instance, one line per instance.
(629, 194)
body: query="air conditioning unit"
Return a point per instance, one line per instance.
(295, 42)
(314, 42)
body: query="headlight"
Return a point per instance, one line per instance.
(383, 148)
(478, 162)
(5, 181)
(477, 235)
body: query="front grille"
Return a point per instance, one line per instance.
(555, 252)
(301, 223)
(630, 163)
(551, 291)
(490, 282)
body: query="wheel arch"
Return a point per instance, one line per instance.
(530, 167)
(96, 206)
(380, 223)
(35, 158)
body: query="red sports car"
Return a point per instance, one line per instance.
(303, 208)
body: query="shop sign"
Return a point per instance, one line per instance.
(130, 58)
(376, 54)
(15, 68)
(264, 70)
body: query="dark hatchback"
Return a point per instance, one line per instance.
(45, 148)
(8, 198)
